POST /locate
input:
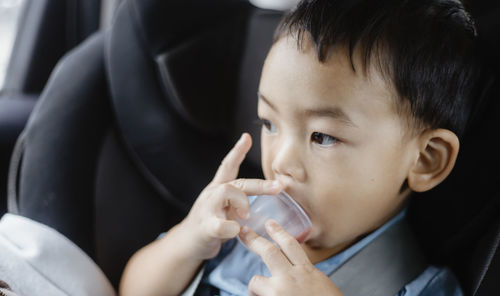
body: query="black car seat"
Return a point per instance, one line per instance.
(46, 29)
(133, 124)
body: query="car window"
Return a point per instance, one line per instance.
(9, 15)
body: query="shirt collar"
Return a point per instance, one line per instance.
(329, 266)
(232, 270)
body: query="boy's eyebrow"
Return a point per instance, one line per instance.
(333, 112)
(261, 96)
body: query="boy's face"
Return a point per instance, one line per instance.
(334, 140)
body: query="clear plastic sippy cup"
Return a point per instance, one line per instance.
(283, 209)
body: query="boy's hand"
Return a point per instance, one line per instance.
(292, 273)
(211, 219)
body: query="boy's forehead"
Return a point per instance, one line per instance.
(290, 71)
(314, 111)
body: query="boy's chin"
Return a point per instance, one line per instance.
(312, 243)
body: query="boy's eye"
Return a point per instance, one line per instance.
(323, 139)
(268, 125)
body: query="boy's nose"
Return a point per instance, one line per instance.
(287, 163)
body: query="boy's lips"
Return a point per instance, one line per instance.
(306, 235)
(303, 208)
(294, 196)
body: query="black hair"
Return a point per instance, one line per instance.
(426, 48)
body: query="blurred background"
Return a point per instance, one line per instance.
(9, 16)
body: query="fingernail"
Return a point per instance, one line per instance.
(244, 233)
(241, 138)
(272, 225)
(276, 184)
(242, 213)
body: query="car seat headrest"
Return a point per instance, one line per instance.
(282, 5)
(174, 74)
(196, 47)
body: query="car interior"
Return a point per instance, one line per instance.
(116, 114)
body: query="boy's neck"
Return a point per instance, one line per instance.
(317, 255)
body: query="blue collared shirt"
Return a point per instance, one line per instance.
(233, 268)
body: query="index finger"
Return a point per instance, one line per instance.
(228, 169)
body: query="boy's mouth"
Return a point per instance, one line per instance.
(301, 238)
(303, 208)
(299, 201)
(294, 195)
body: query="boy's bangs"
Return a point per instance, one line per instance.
(331, 25)
(425, 49)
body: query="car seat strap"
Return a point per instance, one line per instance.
(384, 266)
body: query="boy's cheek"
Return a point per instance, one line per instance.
(266, 164)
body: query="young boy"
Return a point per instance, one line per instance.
(362, 103)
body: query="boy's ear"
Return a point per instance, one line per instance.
(438, 150)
